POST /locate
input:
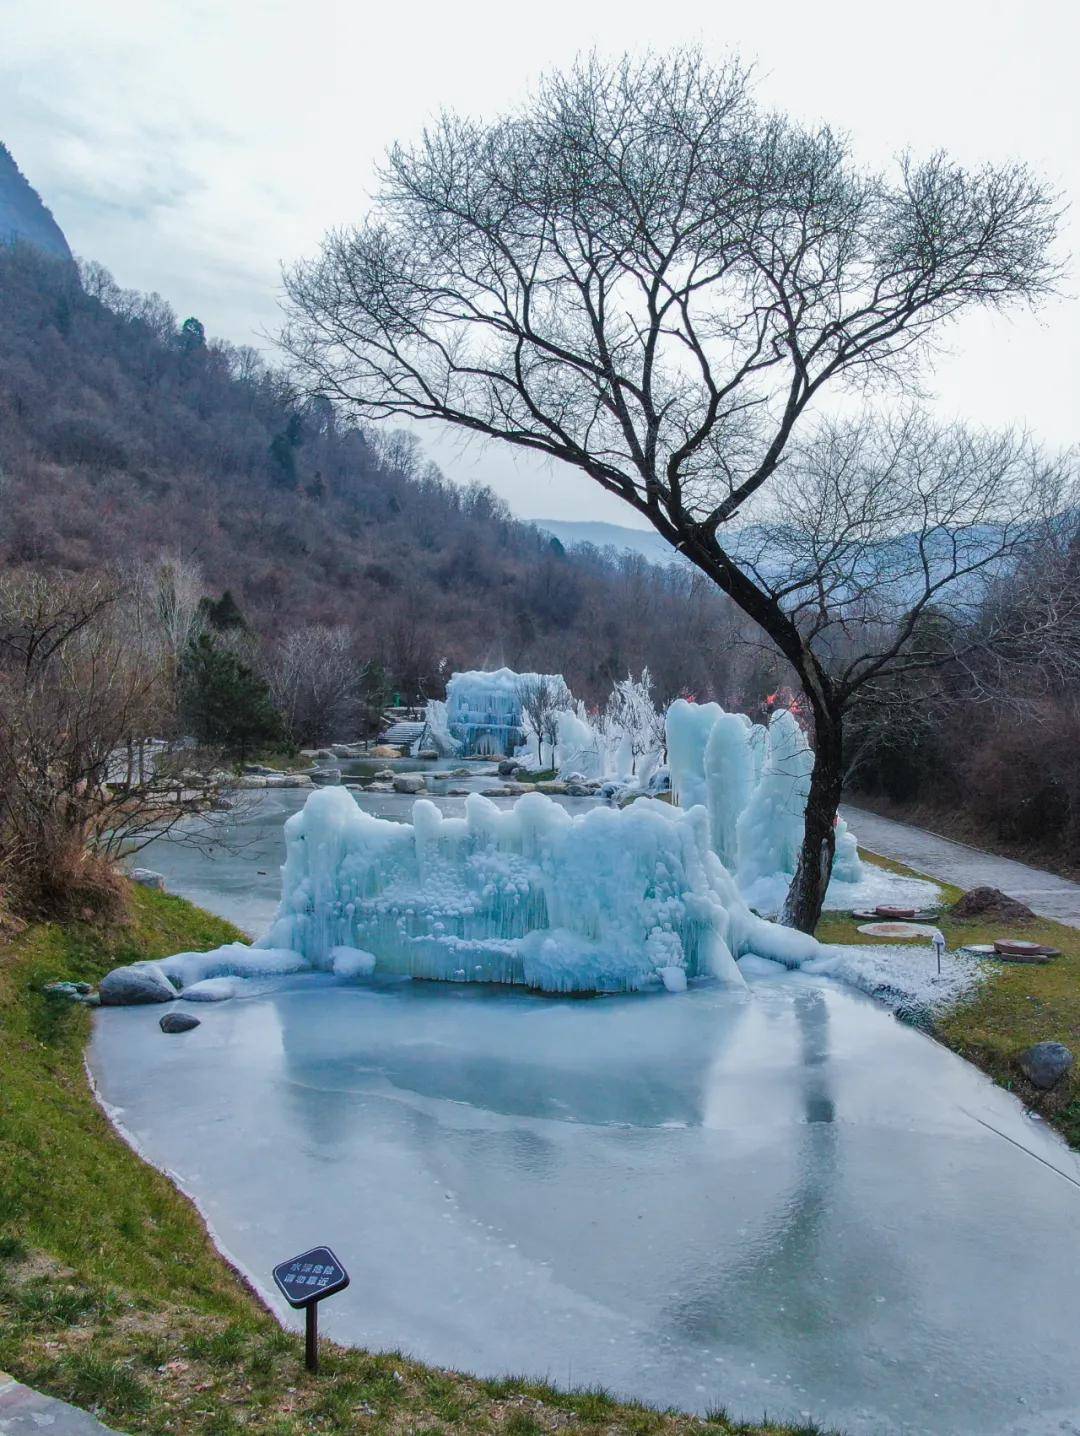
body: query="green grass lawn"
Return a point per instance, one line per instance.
(111, 1294)
(1018, 1005)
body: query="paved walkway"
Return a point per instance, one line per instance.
(966, 867)
(24, 1411)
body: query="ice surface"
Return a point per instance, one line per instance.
(607, 901)
(774, 1198)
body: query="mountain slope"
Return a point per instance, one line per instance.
(23, 215)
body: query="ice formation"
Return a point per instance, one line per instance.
(754, 784)
(483, 710)
(436, 734)
(604, 901)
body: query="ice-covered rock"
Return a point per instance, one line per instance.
(137, 983)
(603, 901)
(410, 783)
(349, 962)
(180, 974)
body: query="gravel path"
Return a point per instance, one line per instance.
(966, 867)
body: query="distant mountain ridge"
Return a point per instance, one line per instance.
(24, 216)
(646, 542)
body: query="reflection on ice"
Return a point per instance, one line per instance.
(775, 1197)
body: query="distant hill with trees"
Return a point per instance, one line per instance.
(127, 433)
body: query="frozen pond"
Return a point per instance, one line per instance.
(781, 1199)
(778, 1200)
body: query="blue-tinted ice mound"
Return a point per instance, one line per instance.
(604, 901)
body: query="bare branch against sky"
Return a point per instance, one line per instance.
(192, 148)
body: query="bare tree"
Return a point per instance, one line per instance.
(84, 689)
(170, 591)
(643, 275)
(542, 697)
(317, 684)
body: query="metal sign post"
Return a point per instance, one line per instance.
(304, 1281)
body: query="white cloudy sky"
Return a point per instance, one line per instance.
(191, 147)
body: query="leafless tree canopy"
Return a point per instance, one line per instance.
(84, 683)
(645, 275)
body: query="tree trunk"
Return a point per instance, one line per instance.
(806, 896)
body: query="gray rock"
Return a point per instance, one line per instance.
(384, 775)
(379, 788)
(147, 878)
(257, 768)
(286, 780)
(325, 777)
(430, 754)
(178, 1022)
(140, 982)
(508, 767)
(410, 783)
(1045, 1064)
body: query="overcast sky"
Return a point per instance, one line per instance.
(192, 147)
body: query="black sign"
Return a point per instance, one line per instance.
(308, 1278)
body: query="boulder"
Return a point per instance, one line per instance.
(379, 788)
(1045, 1064)
(178, 1022)
(428, 754)
(551, 787)
(325, 777)
(258, 769)
(508, 767)
(457, 792)
(147, 878)
(288, 780)
(383, 750)
(254, 780)
(410, 783)
(384, 775)
(140, 982)
(346, 750)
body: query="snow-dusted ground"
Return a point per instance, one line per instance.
(771, 1198)
(767, 895)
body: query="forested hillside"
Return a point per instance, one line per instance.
(126, 434)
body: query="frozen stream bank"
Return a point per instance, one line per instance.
(773, 1198)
